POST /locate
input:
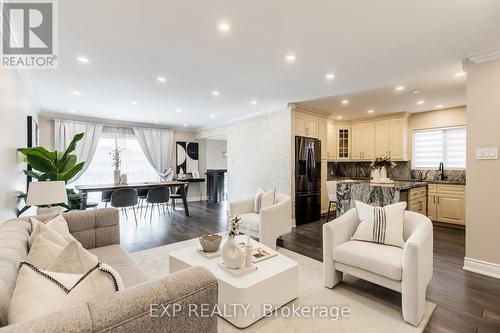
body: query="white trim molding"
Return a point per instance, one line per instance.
(484, 56)
(482, 267)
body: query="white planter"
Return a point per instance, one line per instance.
(383, 173)
(232, 255)
(117, 176)
(376, 175)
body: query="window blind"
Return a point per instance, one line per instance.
(447, 145)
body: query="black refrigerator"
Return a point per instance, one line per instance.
(307, 180)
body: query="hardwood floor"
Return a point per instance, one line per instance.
(466, 302)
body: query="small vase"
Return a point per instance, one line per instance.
(383, 173)
(117, 176)
(232, 255)
(376, 175)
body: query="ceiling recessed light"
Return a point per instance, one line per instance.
(215, 93)
(439, 106)
(76, 93)
(184, 125)
(330, 76)
(339, 117)
(83, 60)
(290, 58)
(224, 27)
(416, 91)
(400, 88)
(371, 111)
(135, 103)
(420, 102)
(72, 110)
(460, 74)
(212, 116)
(162, 79)
(253, 102)
(179, 110)
(156, 121)
(118, 117)
(345, 101)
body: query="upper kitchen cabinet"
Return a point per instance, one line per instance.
(306, 125)
(322, 136)
(331, 141)
(363, 141)
(391, 138)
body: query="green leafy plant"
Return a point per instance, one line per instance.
(382, 161)
(53, 165)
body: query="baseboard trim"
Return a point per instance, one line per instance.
(482, 267)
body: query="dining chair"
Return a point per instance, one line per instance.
(331, 189)
(178, 194)
(106, 197)
(159, 195)
(123, 198)
(143, 193)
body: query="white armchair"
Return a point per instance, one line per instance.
(407, 270)
(271, 223)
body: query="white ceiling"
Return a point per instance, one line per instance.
(370, 46)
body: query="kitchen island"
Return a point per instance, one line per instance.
(348, 191)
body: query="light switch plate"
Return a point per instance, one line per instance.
(487, 153)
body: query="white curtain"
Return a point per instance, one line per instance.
(158, 147)
(65, 130)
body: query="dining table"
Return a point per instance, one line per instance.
(138, 186)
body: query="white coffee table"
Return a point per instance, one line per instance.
(271, 286)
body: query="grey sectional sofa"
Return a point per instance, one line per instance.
(124, 311)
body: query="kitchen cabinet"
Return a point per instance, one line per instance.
(343, 142)
(363, 142)
(331, 142)
(324, 192)
(446, 203)
(306, 125)
(390, 139)
(322, 135)
(417, 200)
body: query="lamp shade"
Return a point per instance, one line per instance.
(46, 193)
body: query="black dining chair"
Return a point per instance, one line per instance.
(178, 194)
(159, 195)
(123, 198)
(106, 197)
(143, 193)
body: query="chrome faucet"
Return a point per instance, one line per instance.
(441, 171)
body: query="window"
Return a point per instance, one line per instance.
(447, 145)
(134, 163)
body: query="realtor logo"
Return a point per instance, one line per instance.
(29, 34)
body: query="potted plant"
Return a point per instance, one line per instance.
(380, 165)
(115, 158)
(232, 254)
(53, 165)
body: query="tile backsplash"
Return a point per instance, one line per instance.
(402, 170)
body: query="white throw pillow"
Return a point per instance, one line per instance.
(44, 251)
(258, 200)
(58, 224)
(383, 225)
(268, 199)
(39, 292)
(73, 258)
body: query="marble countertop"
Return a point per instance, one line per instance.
(403, 183)
(398, 184)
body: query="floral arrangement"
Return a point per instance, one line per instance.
(382, 161)
(234, 226)
(115, 157)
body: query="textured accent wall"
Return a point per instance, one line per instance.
(259, 153)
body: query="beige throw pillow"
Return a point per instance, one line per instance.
(40, 292)
(57, 224)
(44, 251)
(258, 199)
(73, 258)
(383, 225)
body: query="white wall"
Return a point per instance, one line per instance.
(214, 152)
(259, 153)
(15, 106)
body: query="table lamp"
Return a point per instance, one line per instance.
(46, 193)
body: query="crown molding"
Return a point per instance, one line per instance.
(484, 56)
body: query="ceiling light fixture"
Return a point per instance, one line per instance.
(215, 93)
(224, 27)
(339, 117)
(345, 101)
(212, 116)
(439, 106)
(162, 79)
(416, 91)
(184, 125)
(371, 111)
(330, 76)
(179, 110)
(135, 103)
(76, 93)
(72, 110)
(253, 102)
(460, 74)
(156, 121)
(420, 102)
(83, 60)
(400, 88)
(290, 58)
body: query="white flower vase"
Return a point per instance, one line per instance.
(383, 173)
(232, 255)
(117, 176)
(376, 175)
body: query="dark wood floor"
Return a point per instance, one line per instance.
(466, 302)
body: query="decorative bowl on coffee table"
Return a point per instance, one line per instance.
(210, 242)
